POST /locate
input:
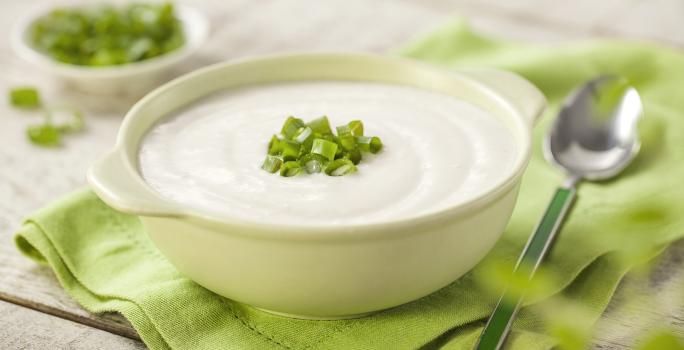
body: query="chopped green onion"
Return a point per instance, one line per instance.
(291, 150)
(291, 127)
(58, 120)
(325, 148)
(356, 127)
(303, 135)
(271, 164)
(24, 97)
(314, 148)
(45, 135)
(329, 137)
(312, 163)
(340, 167)
(291, 168)
(343, 130)
(107, 35)
(369, 144)
(321, 126)
(345, 137)
(274, 146)
(353, 155)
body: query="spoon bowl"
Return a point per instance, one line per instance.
(595, 134)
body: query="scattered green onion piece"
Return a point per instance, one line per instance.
(291, 127)
(369, 144)
(340, 167)
(24, 97)
(345, 137)
(271, 164)
(291, 168)
(312, 163)
(353, 155)
(44, 135)
(321, 125)
(75, 122)
(356, 127)
(274, 146)
(291, 150)
(325, 148)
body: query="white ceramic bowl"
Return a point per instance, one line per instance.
(333, 271)
(131, 78)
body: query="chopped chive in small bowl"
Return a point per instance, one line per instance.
(109, 49)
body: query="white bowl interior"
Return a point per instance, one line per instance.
(187, 89)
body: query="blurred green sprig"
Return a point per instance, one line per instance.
(661, 340)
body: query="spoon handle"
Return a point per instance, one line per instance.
(499, 324)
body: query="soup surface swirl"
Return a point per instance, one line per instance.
(438, 151)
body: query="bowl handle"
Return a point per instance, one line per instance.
(525, 97)
(111, 179)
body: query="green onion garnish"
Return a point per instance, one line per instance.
(340, 167)
(291, 127)
(304, 135)
(45, 135)
(356, 127)
(291, 168)
(353, 155)
(274, 146)
(24, 97)
(321, 126)
(324, 148)
(346, 138)
(271, 164)
(369, 144)
(291, 150)
(313, 163)
(313, 147)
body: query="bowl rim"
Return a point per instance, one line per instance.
(252, 228)
(194, 22)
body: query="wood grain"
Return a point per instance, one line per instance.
(649, 299)
(31, 177)
(22, 328)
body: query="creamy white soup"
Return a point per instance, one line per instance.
(438, 151)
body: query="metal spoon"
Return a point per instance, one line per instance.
(594, 138)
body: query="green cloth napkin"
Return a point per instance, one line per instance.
(104, 260)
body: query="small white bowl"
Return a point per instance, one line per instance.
(131, 78)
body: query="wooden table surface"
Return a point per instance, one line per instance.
(34, 310)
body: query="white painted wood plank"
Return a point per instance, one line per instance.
(654, 19)
(22, 328)
(659, 20)
(646, 300)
